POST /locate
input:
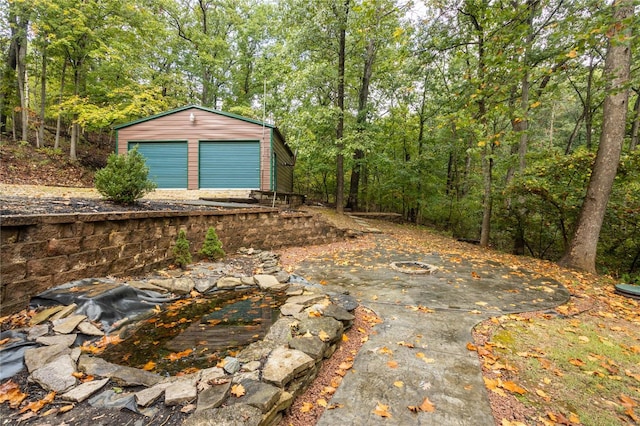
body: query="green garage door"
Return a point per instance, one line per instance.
(230, 164)
(167, 162)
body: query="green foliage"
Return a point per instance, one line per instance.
(181, 250)
(125, 178)
(212, 247)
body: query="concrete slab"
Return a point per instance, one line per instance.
(436, 313)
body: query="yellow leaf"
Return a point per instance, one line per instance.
(386, 350)
(149, 366)
(306, 407)
(10, 391)
(66, 408)
(512, 387)
(345, 338)
(382, 410)
(471, 346)
(543, 394)
(37, 405)
(398, 383)
(177, 355)
(346, 365)
(535, 104)
(427, 406)
(322, 402)
(323, 336)
(572, 54)
(573, 418)
(237, 390)
(405, 344)
(392, 364)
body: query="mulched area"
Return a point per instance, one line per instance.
(21, 206)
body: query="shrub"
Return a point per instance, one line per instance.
(181, 250)
(125, 178)
(212, 247)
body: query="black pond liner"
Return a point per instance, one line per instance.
(413, 267)
(197, 333)
(628, 290)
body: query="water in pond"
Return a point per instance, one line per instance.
(197, 333)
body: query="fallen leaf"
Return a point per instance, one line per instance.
(10, 391)
(345, 338)
(471, 346)
(512, 387)
(405, 344)
(177, 355)
(382, 410)
(149, 366)
(385, 350)
(323, 336)
(188, 408)
(37, 405)
(427, 406)
(237, 390)
(322, 402)
(398, 383)
(336, 405)
(392, 364)
(577, 362)
(67, 408)
(306, 407)
(543, 395)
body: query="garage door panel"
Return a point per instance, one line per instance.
(230, 164)
(167, 162)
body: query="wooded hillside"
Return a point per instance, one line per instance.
(479, 117)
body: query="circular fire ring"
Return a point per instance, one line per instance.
(413, 267)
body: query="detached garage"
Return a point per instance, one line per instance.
(199, 148)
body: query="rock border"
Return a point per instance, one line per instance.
(258, 384)
(425, 268)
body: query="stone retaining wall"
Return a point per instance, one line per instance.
(39, 252)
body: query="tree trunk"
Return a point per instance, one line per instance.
(588, 111)
(56, 144)
(21, 77)
(43, 95)
(361, 120)
(636, 122)
(340, 102)
(75, 131)
(581, 253)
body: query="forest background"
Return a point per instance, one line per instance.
(482, 118)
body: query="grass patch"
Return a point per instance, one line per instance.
(577, 365)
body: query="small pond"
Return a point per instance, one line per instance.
(192, 334)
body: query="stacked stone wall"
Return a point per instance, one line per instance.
(39, 252)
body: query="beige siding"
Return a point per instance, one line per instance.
(207, 126)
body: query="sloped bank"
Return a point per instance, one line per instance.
(41, 251)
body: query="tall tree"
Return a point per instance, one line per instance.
(342, 14)
(582, 249)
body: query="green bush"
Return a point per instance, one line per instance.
(212, 247)
(125, 178)
(181, 250)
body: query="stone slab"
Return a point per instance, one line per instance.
(45, 314)
(84, 391)
(68, 324)
(234, 415)
(284, 364)
(213, 397)
(61, 339)
(56, 375)
(148, 396)
(35, 358)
